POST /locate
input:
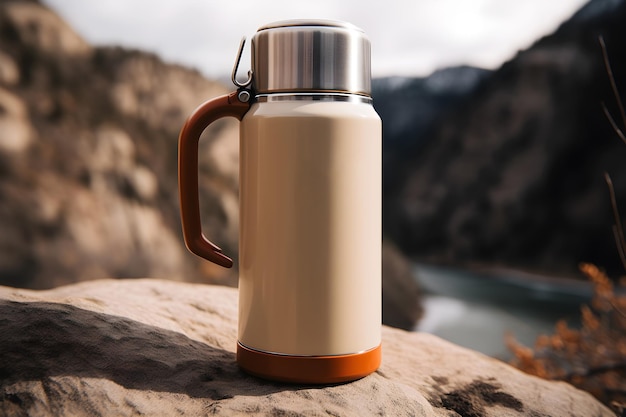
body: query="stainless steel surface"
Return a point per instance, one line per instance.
(352, 98)
(244, 96)
(233, 75)
(311, 56)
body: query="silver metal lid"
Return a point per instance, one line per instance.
(311, 56)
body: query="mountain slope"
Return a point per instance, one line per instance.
(411, 107)
(514, 177)
(88, 153)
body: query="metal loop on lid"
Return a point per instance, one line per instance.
(233, 76)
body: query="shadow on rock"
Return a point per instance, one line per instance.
(41, 340)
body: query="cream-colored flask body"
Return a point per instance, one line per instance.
(310, 218)
(310, 203)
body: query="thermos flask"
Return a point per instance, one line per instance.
(310, 203)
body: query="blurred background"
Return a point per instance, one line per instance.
(495, 148)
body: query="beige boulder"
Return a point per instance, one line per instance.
(163, 348)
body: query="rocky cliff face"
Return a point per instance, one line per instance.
(88, 151)
(411, 107)
(514, 175)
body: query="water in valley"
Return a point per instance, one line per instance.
(477, 309)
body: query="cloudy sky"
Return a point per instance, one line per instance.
(409, 37)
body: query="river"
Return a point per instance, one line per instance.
(476, 309)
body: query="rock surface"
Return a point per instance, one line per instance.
(162, 348)
(402, 298)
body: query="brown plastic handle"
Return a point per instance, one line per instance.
(200, 119)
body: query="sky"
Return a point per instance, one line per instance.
(409, 37)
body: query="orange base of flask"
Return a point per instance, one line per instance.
(308, 369)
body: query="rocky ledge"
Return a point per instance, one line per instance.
(161, 348)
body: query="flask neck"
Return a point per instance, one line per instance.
(313, 96)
